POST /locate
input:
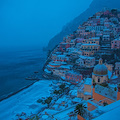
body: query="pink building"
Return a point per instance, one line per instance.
(115, 44)
(61, 58)
(73, 77)
(117, 68)
(79, 40)
(118, 15)
(107, 12)
(63, 46)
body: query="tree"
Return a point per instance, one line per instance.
(114, 11)
(115, 89)
(105, 103)
(35, 118)
(39, 101)
(48, 100)
(62, 86)
(49, 52)
(80, 109)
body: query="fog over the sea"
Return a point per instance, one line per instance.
(25, 23)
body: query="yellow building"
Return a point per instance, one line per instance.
(85, 91)
(100, 73)
(109, 66)
(89, 49)
(93, 40)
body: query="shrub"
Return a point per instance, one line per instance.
(105, 103)
(39, 101)
(115, 89)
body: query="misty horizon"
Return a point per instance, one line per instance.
(34, 23)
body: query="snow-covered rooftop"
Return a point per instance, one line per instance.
(112, 112)
(47, 71)
(90, 44)
(88, 81)
(86, 57)
(95, 38)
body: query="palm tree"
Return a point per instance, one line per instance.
(80, 109)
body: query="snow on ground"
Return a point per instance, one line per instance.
(63, 115)
(25, 101)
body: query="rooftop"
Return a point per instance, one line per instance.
(115, 81)
(91, 44)
(88, 81)
(112, 112)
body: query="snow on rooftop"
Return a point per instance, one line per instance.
(73, 92)
(117, 39)
(77, 99)
(65, 66)
(106, 35)
(95, 38)
(87, 93)
(62, 56)
(47, 71)
(45, 117)
(114, 77)
(85, 57)
(88, 81)
(112, 112)
(49, 66)
(109, 74)
(54, 63)
(90, 44)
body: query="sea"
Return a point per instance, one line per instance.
(16, 65)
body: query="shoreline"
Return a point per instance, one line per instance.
(14, 93)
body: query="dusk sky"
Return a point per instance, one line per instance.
(35, 22)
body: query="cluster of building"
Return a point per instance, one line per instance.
(78, 53)
(78, 59)
(101, 93)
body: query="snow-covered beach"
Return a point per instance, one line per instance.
(25, 101)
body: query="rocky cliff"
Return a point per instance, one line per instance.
(96, 5)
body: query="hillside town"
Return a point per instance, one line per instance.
(89, 60)
(82, 77)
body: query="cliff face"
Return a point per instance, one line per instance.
(96, 5)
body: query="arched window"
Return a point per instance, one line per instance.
(98, 79)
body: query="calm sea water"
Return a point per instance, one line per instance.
(16, 66)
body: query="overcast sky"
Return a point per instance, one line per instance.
(35, 22)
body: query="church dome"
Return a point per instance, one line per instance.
(100, 69)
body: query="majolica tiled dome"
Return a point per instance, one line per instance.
(100, 69)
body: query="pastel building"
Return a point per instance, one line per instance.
(115, 44)
(62, 58)
(100, 73)
(73, 77)
(96, 28)
(117, 68)
(85, 61)
(96, 106)
(109, 66)
(85, 90)
(102, 95)
(106, 38)
(89, 49)
(63, 46)
(93, 40)
(79, 40)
